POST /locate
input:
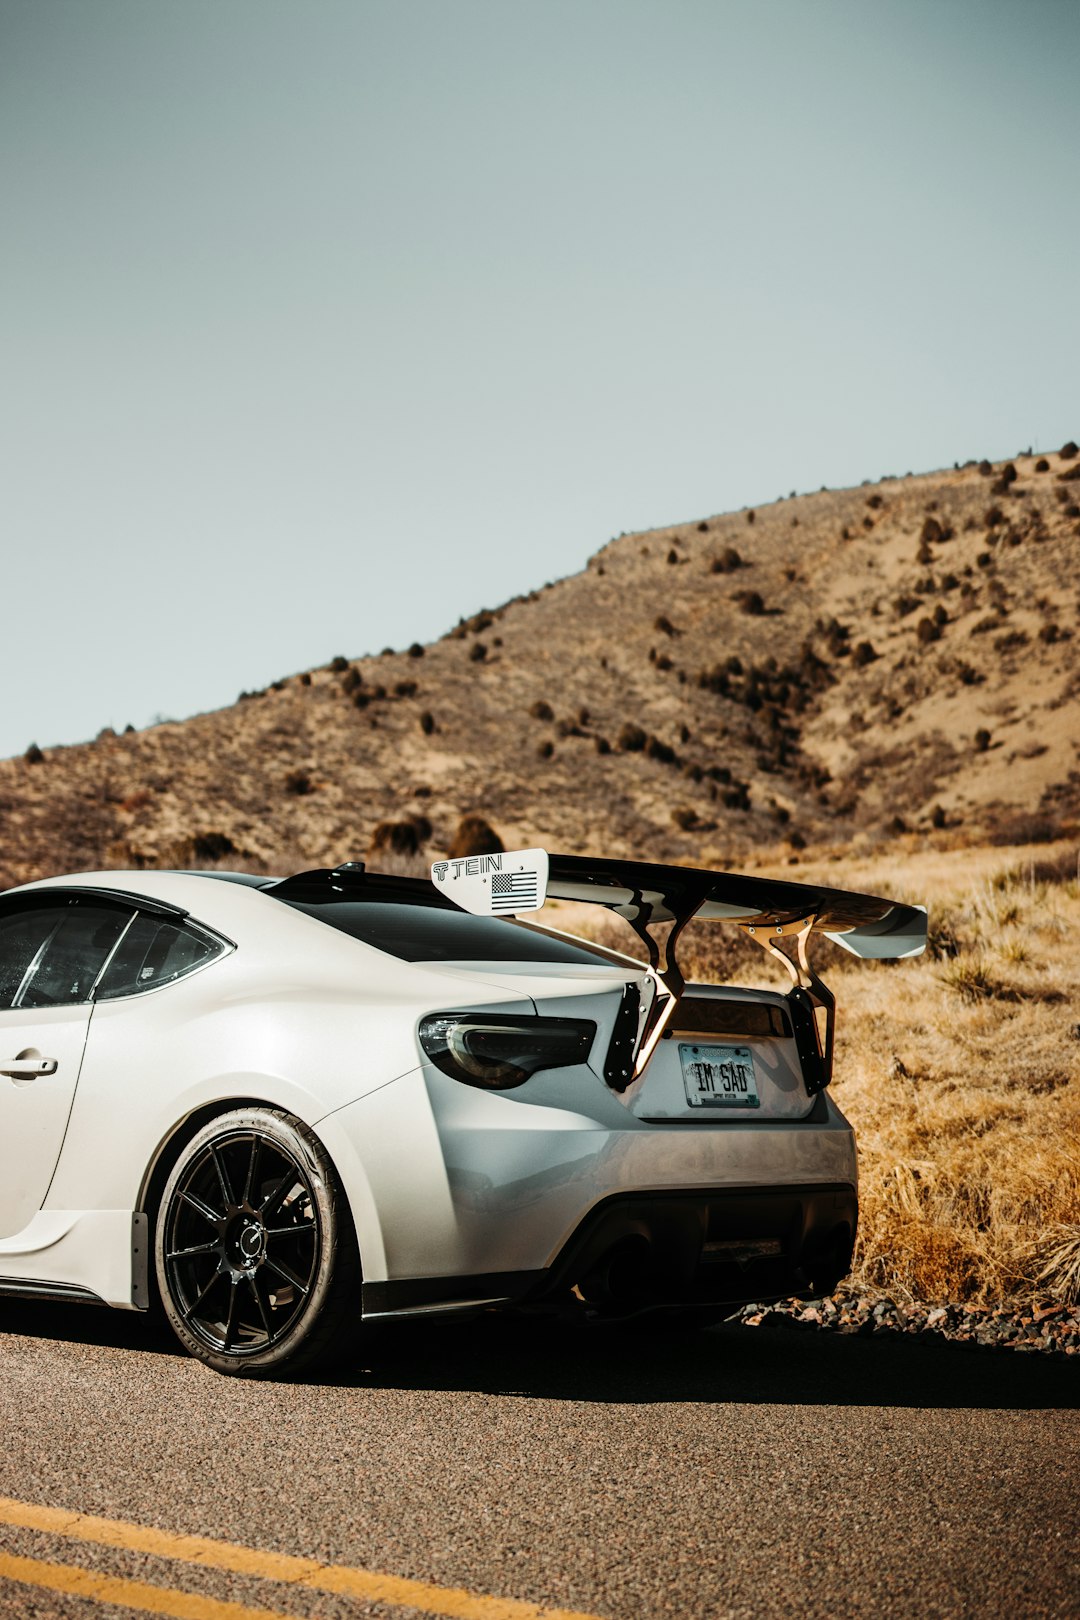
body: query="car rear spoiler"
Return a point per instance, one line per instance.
(768, 910)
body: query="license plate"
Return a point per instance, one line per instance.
(719, 1076)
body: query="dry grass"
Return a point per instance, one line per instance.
(960, 1071)
(962, 1079)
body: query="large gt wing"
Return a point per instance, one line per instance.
(515, 882)
(519, 881)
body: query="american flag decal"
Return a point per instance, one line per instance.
(514, 891)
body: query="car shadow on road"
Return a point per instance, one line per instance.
(88, 1324)
(649, 1360)
(672, 1362)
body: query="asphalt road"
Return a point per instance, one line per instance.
(611, 1472)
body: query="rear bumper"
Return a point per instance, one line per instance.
(462, 1197)
(650, 1250)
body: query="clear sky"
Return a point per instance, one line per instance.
(324, 324)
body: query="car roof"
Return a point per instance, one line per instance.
(186, 888)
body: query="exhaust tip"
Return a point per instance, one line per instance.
(623, 1278)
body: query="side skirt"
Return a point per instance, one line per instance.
(431, 1296)
(30, 1288)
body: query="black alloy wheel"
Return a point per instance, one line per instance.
(256, 1257)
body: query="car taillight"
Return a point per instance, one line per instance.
(497, 1052)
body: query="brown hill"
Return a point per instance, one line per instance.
(842, 668)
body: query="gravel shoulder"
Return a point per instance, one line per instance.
(1032, 1328)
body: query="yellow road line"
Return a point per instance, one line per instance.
(87, 1583)
(454, 1602)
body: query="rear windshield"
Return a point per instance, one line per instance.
(428, 934)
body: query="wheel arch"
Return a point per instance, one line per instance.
(172, 1146)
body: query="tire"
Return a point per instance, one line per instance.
(254, 1247)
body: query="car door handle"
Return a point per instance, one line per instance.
(28, 1068)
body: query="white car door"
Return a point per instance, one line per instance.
(52, 949)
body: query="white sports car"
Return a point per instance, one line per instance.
(283, 1106)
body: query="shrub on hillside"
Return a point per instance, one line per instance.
(416, 650)
(427, 722)
(631, 738)
(351, 680)
(299, 783)
(863, 654)
(933, 533)
(1042, 465)
(673, 555)
(477, 652)
(34, 755)
(603, 746)
(1026, 827)
(986, 468)
(405, 689)
(751, 602)
(1068, 450)
(684, 817)
(727, 562)
(982, 740)
(475, 836)
(540, 710)
(546, 749)
(751, 516)
(339, 664)
(928, 631)
(664, 624)
(212, 846)
(661, 751)
(399, 837)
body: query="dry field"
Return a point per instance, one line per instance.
(960, 1071)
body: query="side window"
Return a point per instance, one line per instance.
(74, 951)
(23, 933)
(153, 952)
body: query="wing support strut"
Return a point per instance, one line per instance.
(664, 968)
(808, 992)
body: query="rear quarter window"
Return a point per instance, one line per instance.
(154, 952)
